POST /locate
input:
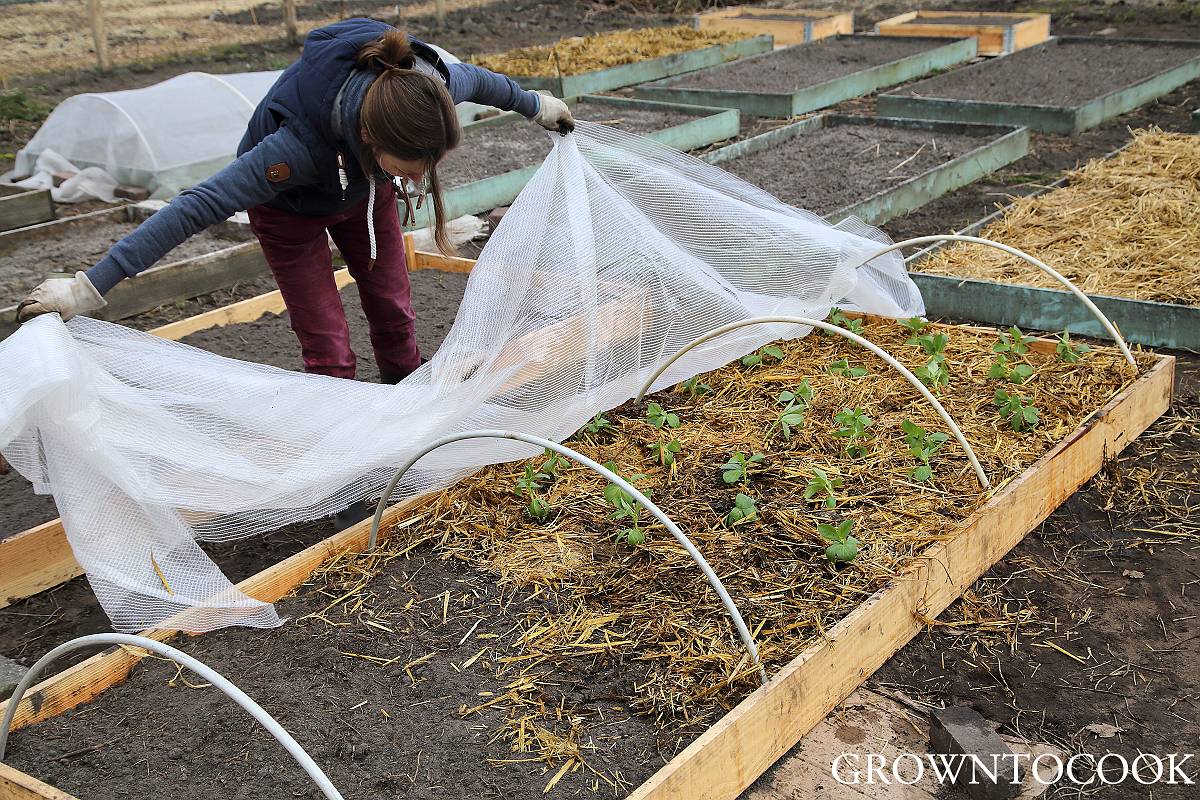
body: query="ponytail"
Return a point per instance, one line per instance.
(409, 114)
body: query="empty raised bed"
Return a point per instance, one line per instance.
(871, 167)
(483, 652)
(810, 76)
(997, 32)
(583, 64)
(1123, 229)
(208, 261)
(1065, 85)
(20, 207)
(788, 25)
(498, 156)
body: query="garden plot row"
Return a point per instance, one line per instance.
(1123, 228)
(1065, 85)
(604, 647)
(874, 168)
(211, 260)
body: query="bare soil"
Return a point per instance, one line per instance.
(1061, 73)
(968, 19)
(793, 68)
(834, 167)
(377, 733)
(78, 247)
(490, 150)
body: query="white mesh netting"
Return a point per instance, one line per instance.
(617, 253)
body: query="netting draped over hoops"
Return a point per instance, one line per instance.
(618, 253)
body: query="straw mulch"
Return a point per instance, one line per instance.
(580, 54)
(642, 616)
(1127, 226)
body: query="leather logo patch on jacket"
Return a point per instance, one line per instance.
(278, 173)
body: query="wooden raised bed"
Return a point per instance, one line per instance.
(1146, 322)
(21, 207)
(788, 25)
(804, 98)
(928, 99)
(652, 69)
(45, 546)
(998, 32)
(1005, 145)
(732, 753)
(164, 283)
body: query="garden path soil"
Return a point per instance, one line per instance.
(803, 65)
(1060, 73)
(968, 19)
(495, 149)
(834, 167)
(77, 248)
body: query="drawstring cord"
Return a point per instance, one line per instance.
(371, 222)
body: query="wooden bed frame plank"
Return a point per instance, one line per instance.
(16, 785)
(736, 750)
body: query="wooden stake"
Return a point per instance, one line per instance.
(99, 35)
(289, 21)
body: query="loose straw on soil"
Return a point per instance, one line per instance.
(580, 54)
(643, 618)
(1127, 226)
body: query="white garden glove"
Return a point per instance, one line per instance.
(67, 295)
(554, 115)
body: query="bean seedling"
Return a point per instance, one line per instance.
(1013, 341)
(914, 324)
(1020, 414)
(665, 452)
(598, 424)
(923, 445)
(624, 506)
(744, 510)
(736, 469)
(1018, 373)
(760, 358)
(820, 488)
(839, 318)
(842, 546)
(844, 369)
(934, 344)
(934, 373)
(794, 403)
(694, 387)
(853, 424)
(659, 418)
(1067, 352)
(530, 483)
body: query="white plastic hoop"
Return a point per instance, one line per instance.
(612, 477)
(1053, 273)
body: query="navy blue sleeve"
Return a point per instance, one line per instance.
(241, 185)
(471, 83)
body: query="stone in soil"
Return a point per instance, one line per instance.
(490, 150)
(837, 166)
(793, 68)
(1057, 73)
(79, 246)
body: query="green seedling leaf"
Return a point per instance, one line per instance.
(744, 509)
(665, 452)
(820, 488)
(1015, 408)
(842, 552)
(934, 373)
(922, 472)
(1067, 352)
(914, 324)
(844, 369)
(598, 424)
(538, 508)
(1013, 341)
(694, 387)
(659, 418)
(933, 344)
(634, 536)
